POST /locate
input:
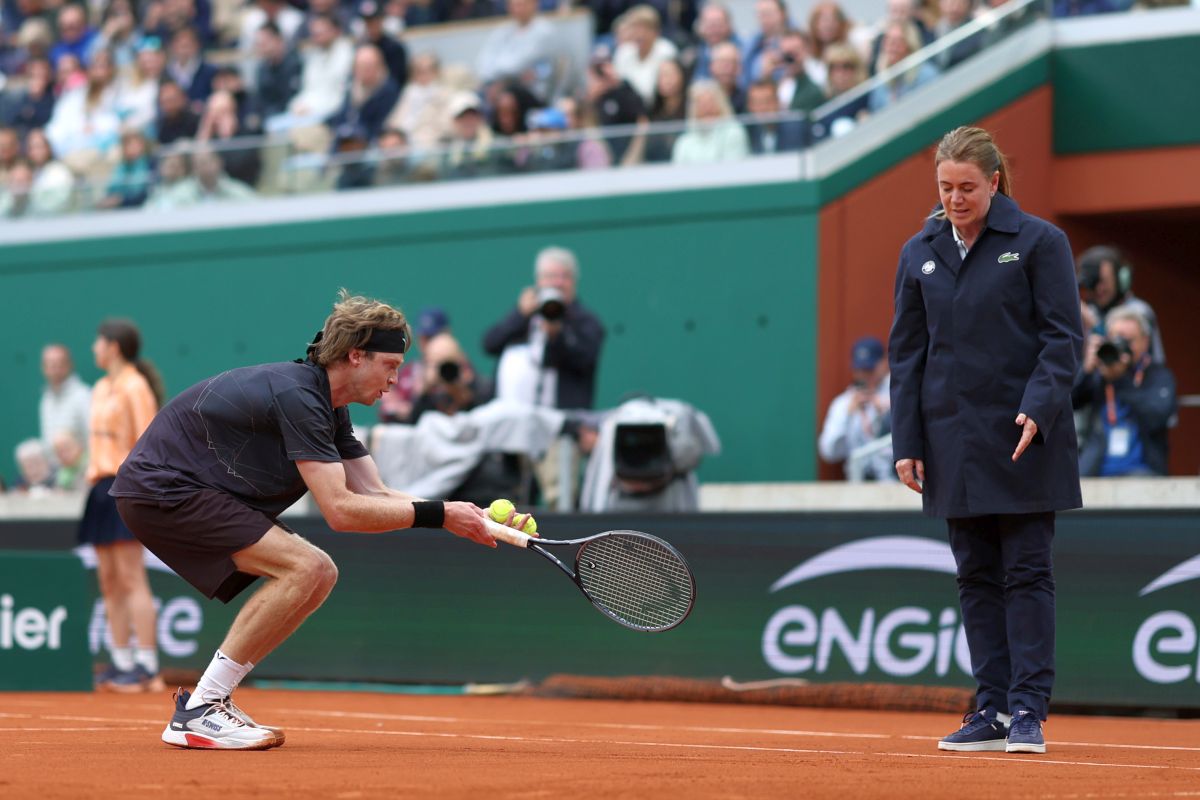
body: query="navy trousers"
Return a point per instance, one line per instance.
(1006, 592)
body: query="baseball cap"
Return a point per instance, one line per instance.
(432, 321)
(546, 119)
(462, 102)
(866, 353)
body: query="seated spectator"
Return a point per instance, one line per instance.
(713, 134)
(511, 108)
(35, 473)
(955, 14)
(188, 68)
(371, 96)
(770, 134)
(1128, 399)
(772, 23)
(279, 70)
(208, 184)
(798, 89)
(137, 87)
(176, 120)
(524, 49)
(846, 71)
(15, 192)
(221, 126)
(544, 148)
(393, 163)
(395, 55)
(421, 112)
(828, 25)
(642, 50)
(713, 27)
(33, 42)
(74, 34)
(897, 11)
(85, 120)
(615, 102)
(72, 463)
(118, 33)
(283, 18)
(726, 70)
(861, 415)
(173, 169)
(1107, 282)
(53, 188)
(69, 74)
(33, 105)
(900, 40)
(228, 79)
(468, 153)
(591, 151)
(328, 62)
(131, 179)
(669, 106)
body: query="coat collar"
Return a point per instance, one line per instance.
(1004, 217)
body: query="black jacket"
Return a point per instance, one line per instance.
(575, 353)
(1152, 405)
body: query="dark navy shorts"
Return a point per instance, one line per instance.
(197, 534)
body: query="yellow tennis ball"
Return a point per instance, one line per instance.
(530, 526)
(500, 509)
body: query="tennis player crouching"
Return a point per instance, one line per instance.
(206, 482)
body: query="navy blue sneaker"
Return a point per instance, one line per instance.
(980, 731)
(1025, 735)
(103, 680)
(135, 680)
(212, 726)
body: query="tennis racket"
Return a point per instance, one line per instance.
(633, 578)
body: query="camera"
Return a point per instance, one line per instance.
(551, 304)
(449, 371)
(1111, 350)
(789, 58)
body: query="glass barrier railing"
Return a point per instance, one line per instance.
(312, 159)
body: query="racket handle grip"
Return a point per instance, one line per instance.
(506, 534)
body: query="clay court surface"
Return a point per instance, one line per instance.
(358, 745)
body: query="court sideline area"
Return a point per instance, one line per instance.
(359, 745)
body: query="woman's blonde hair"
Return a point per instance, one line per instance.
(975, 146)
(350, 326)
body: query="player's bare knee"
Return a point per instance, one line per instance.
(317, 573)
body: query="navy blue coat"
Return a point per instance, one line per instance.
(974, 342)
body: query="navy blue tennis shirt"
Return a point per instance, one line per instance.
(241, 433)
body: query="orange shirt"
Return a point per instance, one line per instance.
(122, 407)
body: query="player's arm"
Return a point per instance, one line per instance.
(346, 510)
(362, 477)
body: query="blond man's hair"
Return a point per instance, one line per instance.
(350, 326)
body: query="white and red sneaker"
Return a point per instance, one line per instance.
(213, 726)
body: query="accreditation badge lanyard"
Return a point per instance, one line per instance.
(1110, 394)
(1120, 437)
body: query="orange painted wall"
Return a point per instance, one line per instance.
(1146, 202)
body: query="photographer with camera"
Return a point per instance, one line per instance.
(1106, 279)
(861, 414)
(548, 348)
(1128, 400)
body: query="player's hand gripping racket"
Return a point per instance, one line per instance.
(633, 578)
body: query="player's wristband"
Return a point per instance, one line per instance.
(428, 513)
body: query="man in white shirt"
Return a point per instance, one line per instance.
(328, 61)
(861, 415)
(66, 403)
(642, 50)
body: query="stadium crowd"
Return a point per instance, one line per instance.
(165, 104)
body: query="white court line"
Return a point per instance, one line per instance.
(614, 725)
(1057, 743)
(73, 730)
(15, 716)
(66, 718)
(695, 746)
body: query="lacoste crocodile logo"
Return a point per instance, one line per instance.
(1007, 257)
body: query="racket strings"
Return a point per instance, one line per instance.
(636, 579)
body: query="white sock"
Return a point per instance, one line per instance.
(122, 658)
(148, 658)
(218, 681)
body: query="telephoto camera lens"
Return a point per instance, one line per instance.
(449, 371)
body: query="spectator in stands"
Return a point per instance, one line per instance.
(669, 106)
(85, 120)
(118, 33)
(548, 348)
(328, 62)
(66, 402)
(10, 150)
(33, 41)
(591, 151)
(798, 89)
(249, 113)
(138, 86)
(72, 462)
(898, 11)
(221, 126)
(188, 68)
(279, 70)
(860, 415)
(35, 474)
(208, 184)
(15, 193)
(129, 184)
(1107, 280)
(469, 152)
(173, 169)
(421, 112)
(74, 35)
(32, 105)
(955, 14)
(176, 120)
(1129, 399)
(773, 21)
(846, 71)
(828, 25)
(392, 162)
(642, 50)
(615, 102)
(713, 134)
(544, 148)
(900, 40)
(769, 134)
(523, 49)
(395, 55)
(397, 405)
(53, 188)
(511, 108)
(725, 67)
(284, 18)
(69, 74)
(713, 26)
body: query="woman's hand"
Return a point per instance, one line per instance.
(1030, 430)
(911, 472)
